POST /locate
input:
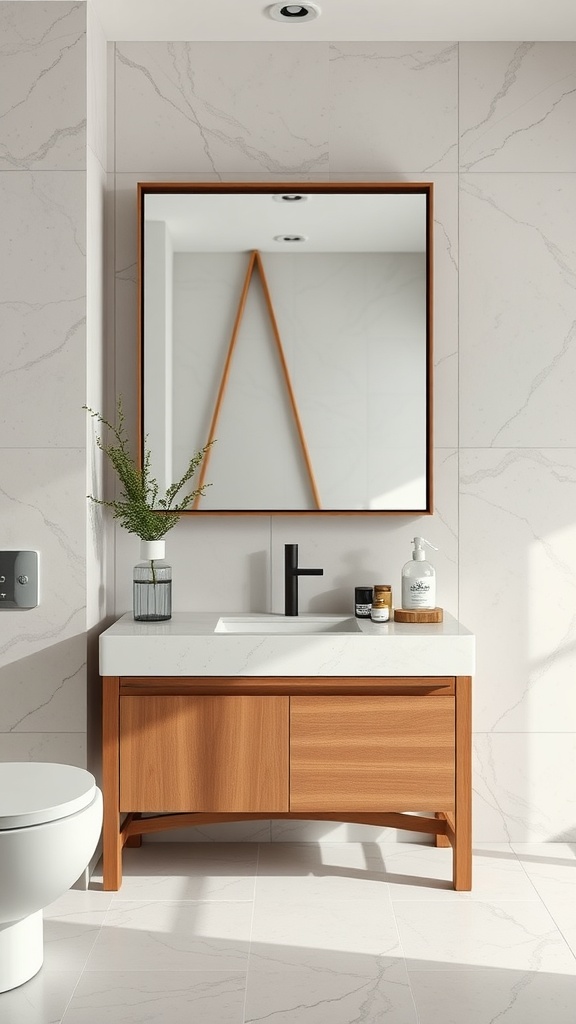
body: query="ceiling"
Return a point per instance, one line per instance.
(351, 20)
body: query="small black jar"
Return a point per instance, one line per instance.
(362, 602)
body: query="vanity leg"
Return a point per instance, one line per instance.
(441, 840)
(111, 840)
(462, 855)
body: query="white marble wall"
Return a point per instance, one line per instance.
(43, 314)
(49, 152)
(492, 124)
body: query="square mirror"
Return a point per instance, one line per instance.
(291, 324)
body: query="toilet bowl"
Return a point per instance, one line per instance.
(50, 821)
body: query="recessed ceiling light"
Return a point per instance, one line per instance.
(294, 12)
(290, 197)
(290, 238)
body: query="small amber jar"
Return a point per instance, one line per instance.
(383, 592)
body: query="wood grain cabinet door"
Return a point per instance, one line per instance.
(203, 753)
(372, 753)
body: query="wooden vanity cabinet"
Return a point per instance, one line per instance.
(180, 751)
(366, 753)
(205, 753)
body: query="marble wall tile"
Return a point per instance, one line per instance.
(217, 565)
(325, 832)
(221, 107)
(45, 691)
(518, 585)
(517, 290)
(226, 832)
(43, 507)
(97, 88)
(517, 106)
(59, 747)
(523, 791)
(43, 85)
(43, 308)
(393, 107)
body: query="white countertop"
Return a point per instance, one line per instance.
(186, 645)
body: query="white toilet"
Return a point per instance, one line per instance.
(50, 821)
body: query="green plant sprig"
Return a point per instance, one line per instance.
(139, 509)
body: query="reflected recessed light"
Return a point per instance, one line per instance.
(294, 12)
(290, 197)
(290, 238)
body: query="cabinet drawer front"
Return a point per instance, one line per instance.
(372, 753)
(204, 753)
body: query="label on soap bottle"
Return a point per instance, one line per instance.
(419, 593)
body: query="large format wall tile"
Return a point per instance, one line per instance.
(43, 507)
(393, 107)
(45, 691)
(523, 787)
(59, 747)
(518, 585)
(221, 107)
(97, 83)
(42, 85)
(43, 308)
(218, 564)
(517, 292)
(517, 106)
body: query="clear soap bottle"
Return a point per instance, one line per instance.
(419, 578)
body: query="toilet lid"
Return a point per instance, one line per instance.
(34, 792)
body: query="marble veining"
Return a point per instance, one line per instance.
(518, 584)
(43, 118)
(504, 952)
(518, 320)
(517, 105)
(203, 119)
(371, 84)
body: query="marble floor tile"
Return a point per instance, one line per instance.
(162, 997)
(551, 868)
(311, 996)
(417, 872)
(42, 1000)
(346, 936)
(181, 936)
(71, 927)
(311, 947)
(487, 997)
(517, 936)
(189, 871)
(339, 871)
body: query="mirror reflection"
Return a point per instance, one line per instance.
(292, 324)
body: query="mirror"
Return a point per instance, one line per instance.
(292, 323)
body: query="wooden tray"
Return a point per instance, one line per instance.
(418, 614)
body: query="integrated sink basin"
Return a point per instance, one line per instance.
(282, 625)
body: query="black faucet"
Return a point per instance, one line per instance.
(291, 574)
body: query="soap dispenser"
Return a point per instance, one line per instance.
(419, 578)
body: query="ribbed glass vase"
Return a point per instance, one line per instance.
(152, 587)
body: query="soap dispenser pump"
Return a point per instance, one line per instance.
(419, 578)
